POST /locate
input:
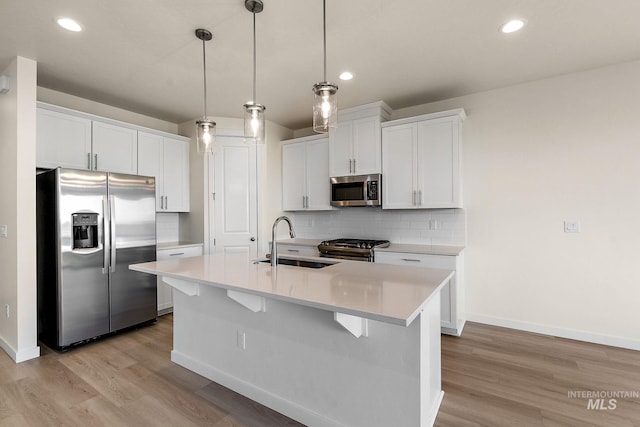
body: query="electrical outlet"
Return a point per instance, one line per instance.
(241, 340)
(434, 224)
(3, 231)
(572, 226)
(7, 310)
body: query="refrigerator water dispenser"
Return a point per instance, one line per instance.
(85, 230)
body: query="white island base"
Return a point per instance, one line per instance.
(305, 362)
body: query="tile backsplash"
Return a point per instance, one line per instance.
(425, 227)
(167, 227)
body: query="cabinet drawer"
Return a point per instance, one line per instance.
(297, 250)
(418, 260)
(185, 252)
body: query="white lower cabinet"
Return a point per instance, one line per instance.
(301, 250)
(165, 295)
(451, 297)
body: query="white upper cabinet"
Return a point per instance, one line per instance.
(115, 148)
(62, 140)
(167, 159)
(422, 161)
(354, 146)
(305, 174)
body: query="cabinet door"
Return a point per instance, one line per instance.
(293, 177)
(115, 148)
(448, 302)
(438, 164)
(165, 292)
(398, 166)
(366, 146)
(150, 162)
(176, 175)
(62, 140)
(317, 175)
(341, 149)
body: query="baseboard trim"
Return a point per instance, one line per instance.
(22, 355)
(557, 332)
(268, 399)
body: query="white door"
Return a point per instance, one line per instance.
(233, 225)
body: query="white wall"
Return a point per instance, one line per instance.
(18, 331)
(535, 155)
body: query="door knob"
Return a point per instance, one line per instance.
(253, 239)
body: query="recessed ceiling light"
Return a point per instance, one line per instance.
(69, 24)
(512, 26)
(346, 75)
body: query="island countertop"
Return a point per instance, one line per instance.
(388, 293)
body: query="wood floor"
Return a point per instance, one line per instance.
(491, 377)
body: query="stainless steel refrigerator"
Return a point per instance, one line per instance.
(90, 227)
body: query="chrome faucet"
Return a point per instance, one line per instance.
(274, 247)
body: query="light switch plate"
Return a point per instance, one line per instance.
(3, 231)
(572, 226)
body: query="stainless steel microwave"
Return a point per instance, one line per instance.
(356, 190)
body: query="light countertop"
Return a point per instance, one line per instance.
(388, 293)
(176, 245)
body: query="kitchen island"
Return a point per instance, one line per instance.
(349, 344)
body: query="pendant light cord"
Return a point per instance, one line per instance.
(324, 36)
(254, 58)
(204, 61)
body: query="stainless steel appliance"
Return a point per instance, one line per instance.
(91, 226)
(356, 190)
(353, 249)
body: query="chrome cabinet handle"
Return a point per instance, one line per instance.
(89, 161)
(95, 163)
(410, 260)
(350, 165)
(307, 199)
(293, 250)
(419, 197)
(354, 165)
(177, 254)
(161, 202)
(166, 202)
(413, 198)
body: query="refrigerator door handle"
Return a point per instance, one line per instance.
(105, 235)
(112, 232)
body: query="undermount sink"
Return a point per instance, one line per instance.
(300, 262)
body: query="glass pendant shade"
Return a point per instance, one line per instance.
(325, 107)
(206, 135)
(254, 129)
(205, 128)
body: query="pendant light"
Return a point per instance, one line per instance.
(206, 128)
(254, 128)
(325, 104)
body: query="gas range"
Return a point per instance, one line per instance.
(353, 249)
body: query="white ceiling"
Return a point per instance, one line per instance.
(142, 55)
